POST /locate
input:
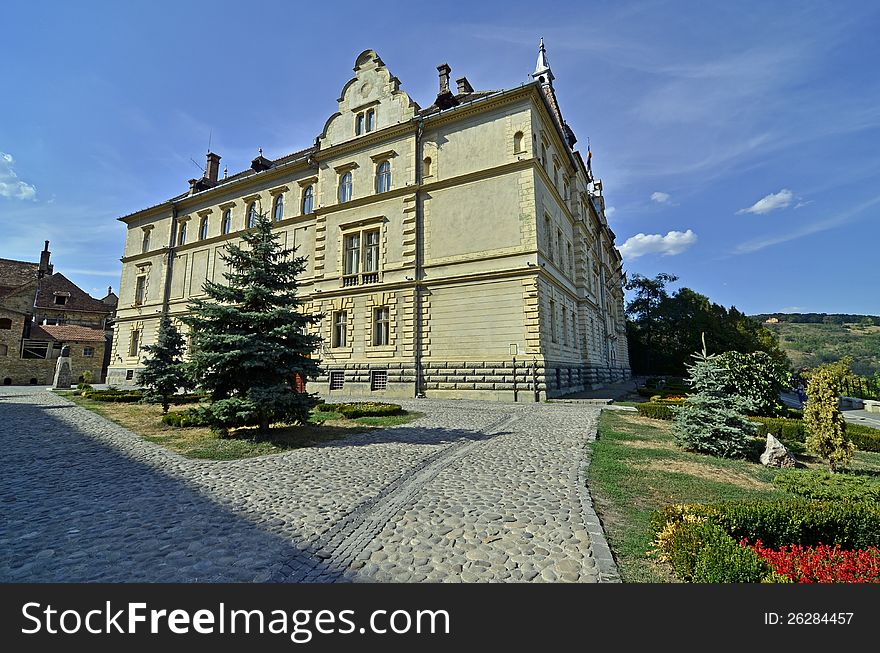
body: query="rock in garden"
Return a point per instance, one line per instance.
(776, 454)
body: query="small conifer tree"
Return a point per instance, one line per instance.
(712, 420)
(250, 345)
(164, 374)
(823, 421)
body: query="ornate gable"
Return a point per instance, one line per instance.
(373, 89)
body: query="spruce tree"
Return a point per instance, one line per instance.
(712, 420)
(164, 372)
(249, 336)
(823, 421)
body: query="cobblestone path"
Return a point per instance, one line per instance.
(473, 491)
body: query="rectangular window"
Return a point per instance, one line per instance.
(145, 243)
(35, 350)
(360, 255)
(60, 300)
(134, 343)
(559, 247)
(340, 329)
(352, 255)
(564, 328)
(129, 375)
(552, 321)
(380, 326)
(570, 261)
(337, 380)
(139, 288)
(378, 380)
(88, 352)
(550, 250)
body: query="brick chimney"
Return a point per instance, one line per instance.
(444, 71)
(45, 268)
(464, 86)
(212, 169)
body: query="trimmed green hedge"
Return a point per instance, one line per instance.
(824, 486)
(184, 419)
(853, 525)
(656, 410)
(362, 409)
(117, 396)
(864, 437)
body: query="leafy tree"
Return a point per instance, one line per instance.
(643, 309)
(164, 373)
(249, 336)
(824, 423)
(712, 420)
(757, 377)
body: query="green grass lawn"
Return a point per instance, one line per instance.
(200, 442)
(636, 469)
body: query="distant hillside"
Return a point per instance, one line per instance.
(811, 339)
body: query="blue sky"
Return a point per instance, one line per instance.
(737, 142)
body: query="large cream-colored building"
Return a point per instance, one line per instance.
(459, 250)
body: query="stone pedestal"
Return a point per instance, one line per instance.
(62, 371)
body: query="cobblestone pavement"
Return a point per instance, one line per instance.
(473, 491)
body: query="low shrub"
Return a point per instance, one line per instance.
(656, 410)
(83, 388)
(702, 552)
(781, 428)
(363, 409)
(822, 564)
(864, 437)
(113, 395)
(184, 419)
(823, 486)
(853, 525)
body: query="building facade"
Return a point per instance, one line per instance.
(460, 250)
(40, 312)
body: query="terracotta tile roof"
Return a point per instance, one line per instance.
(77, 299)
(14, 274)
(66, 333)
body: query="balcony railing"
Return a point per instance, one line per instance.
(363, 279)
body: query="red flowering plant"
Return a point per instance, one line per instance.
(821, 563)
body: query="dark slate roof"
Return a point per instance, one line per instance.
(66, 333)
(460, 98)
(78, 299)
(14, 274)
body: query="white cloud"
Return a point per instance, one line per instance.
(660, 198)
(11, 187)
(674, 242)
(609, 211)
(770, 202)
(802, 204)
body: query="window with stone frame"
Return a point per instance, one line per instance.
(134, 343)
(226, 223)
(145, 241)
(337, 379)
(549, 230)
(140, 286)
(278, 208)
(340, 329)
(308, 200)
(88, 352)
(360, 257)
(518, 143)
(560, 262)
(181, 233)
(203, 228)
(378, 380)
(4, 350)
(5, 323)
(359, 124)
(252, 215)
(345, 187)
(552, 321)
(383, 177)
(371, 120)
(564, 327)
(381, 326)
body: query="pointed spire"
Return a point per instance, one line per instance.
(542, 69)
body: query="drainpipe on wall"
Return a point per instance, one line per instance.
(166, 291)
(417, 294)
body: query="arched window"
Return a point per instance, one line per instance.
(181, 234)
(227, 221)
(308, 201)
(278, 208)
(203, 228)
(252, 215)
(426, 167)
(383, 177)
(5, 323)
(345, 187)
(371, 120)
(517, 142)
